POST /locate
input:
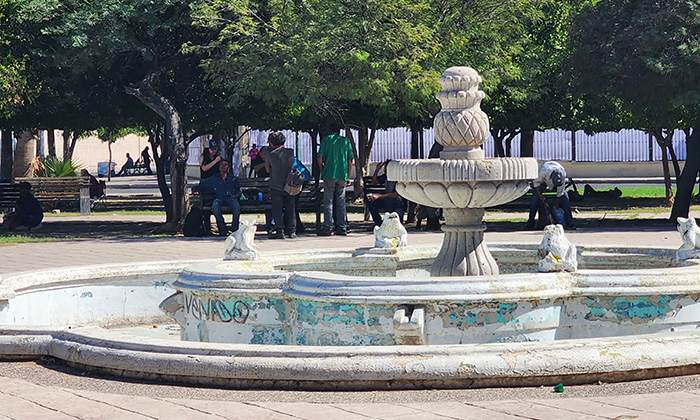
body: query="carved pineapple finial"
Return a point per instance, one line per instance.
(461, 126)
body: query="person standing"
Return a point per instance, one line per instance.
(335, 161)
(551, 176)
(210, 160)
(279, 162)
(226, 192)
(146, 157)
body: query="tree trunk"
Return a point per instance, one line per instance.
(674, 158)
(7, 156)
(509, 141)
(662, 141)
(24, 154)
(176, 146)
(498, 136)
(51, 140)
(527, 143)
(415, 141)
(357, 152)
(109, 161)
(160, 154)
(316, 173)
(686, 182)
(66, 144)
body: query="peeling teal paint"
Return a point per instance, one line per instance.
(477, 315)
(267, 335)
(631, 308)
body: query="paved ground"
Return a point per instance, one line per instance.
(47, 390)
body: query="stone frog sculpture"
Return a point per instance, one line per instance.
(556, 253)
(690, 234)
(391, 234)
(239, 244)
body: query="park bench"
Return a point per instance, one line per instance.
(139, 168)
(9, 194)
(251, 189)
(59, 193)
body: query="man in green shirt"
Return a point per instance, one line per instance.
(335, 160)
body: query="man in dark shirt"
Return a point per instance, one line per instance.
(390, 201)
(258, 166)
(279, 163)
(27, 212)
(227, 191)
(209, 160)
(128, 165)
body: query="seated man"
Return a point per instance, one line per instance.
(128, 165)
(550, 177)
(97, 188)
(226, 191)
(27, 212)
(389, 201)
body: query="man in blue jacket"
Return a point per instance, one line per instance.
(227, 191)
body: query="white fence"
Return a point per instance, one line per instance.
(395, 143)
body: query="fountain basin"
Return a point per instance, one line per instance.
(657, 342)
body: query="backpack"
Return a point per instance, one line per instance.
(194, 223)
(295, 182)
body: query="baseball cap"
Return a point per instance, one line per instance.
(213, 144)
(557, 179)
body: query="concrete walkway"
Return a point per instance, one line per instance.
(43, 391)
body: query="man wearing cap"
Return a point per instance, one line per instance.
(209, 160)
(550, 177)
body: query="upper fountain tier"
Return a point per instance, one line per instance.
(462, 177)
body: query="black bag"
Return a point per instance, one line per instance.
(194, 223)
(545, 216)
(295, 182)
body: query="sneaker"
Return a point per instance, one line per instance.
(292, 235)
(325, 232)
(37, 227)
(572, 227)
(340, 232)
(278, 235)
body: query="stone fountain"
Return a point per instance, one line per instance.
(382, 318)
(462, 182)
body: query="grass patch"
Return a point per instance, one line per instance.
(109, 213)
(20, 239)
(648, 192)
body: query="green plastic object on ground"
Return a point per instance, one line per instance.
(559, 388)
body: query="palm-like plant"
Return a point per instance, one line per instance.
(53, 167)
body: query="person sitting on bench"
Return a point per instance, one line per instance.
(227, 191)
(550, 177)
(28, 212)
(128, 165)
(390, 201)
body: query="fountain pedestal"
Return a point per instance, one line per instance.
(463, 252)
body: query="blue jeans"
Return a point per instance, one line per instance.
(235, 207)
(564, 204)
(391, 204)
(334, 204)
